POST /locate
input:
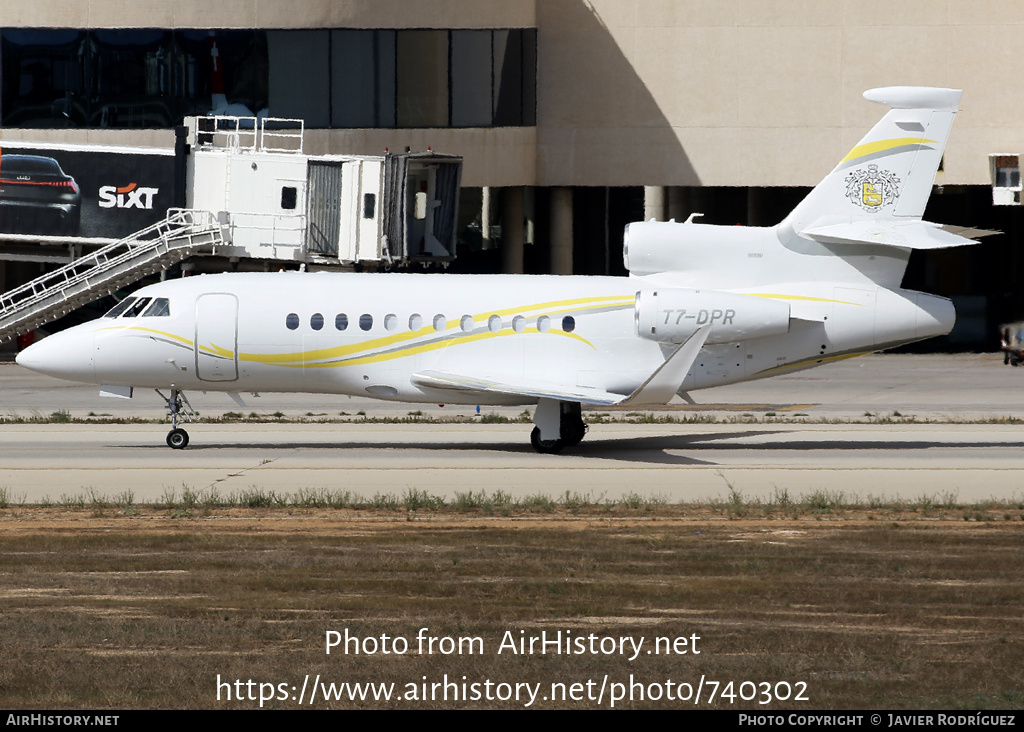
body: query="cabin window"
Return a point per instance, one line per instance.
(292, 321)
(119, 308)
(466, 323)
(341, 321)
(137, 307)
(543, 323)
(440, 322)
(568, 324)
(415, 321)
(390, 322)
(369, 205)
(161, 308)
(289, 197)
(519, 324)
(316, 321)
(365, 321)
(494, 323)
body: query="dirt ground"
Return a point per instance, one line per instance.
(235, 608)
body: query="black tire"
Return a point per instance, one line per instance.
(545, 447)
(177, 439)
(573, 432)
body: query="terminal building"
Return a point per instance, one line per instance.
(571, 117)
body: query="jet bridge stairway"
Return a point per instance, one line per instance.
(183, 233)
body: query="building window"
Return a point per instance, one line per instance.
(341, 78)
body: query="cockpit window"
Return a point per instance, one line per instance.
(120, 307)
(161, 308)
(137, 307)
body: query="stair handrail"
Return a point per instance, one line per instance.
(180, 221)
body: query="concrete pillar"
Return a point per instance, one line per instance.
(485, 219)
(654, 203)
(561, 231)
(512, 232)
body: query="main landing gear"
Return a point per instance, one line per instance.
(564, 419)
(179, 409)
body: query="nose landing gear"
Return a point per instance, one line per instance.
(177, 438)
(180, 410)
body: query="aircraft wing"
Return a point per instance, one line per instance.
(658, 389)
(523, 388)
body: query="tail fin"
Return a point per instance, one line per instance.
(888, 176)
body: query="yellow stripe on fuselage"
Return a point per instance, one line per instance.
(776, 296)
(340, 352)
(814, 359)
(363, 352)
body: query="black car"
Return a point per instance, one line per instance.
(37, 197)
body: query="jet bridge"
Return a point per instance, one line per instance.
(279, 203)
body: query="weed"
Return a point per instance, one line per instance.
(538, 502)
(386, 501)
(416, 499)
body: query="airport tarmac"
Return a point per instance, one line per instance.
(879, 426)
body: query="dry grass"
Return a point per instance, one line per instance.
(140, 609)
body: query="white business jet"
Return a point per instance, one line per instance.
(703, 306)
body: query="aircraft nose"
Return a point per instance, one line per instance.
(67, 355)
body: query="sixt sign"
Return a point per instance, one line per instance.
(130, 196)
(122, 190)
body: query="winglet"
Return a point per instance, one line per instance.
(665, 382)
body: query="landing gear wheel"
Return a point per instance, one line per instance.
(573, 432)
(546, 447)
(177, 438)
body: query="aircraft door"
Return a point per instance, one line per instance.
(216, 342)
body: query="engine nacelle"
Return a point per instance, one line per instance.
(673, 315)
(649, 247)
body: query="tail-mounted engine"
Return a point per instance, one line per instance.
(673, 315)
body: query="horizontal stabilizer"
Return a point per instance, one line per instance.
(969, 232)
(906, 234)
